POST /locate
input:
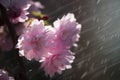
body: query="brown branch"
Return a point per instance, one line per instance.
(13, 34)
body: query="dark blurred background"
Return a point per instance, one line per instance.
(98, 53)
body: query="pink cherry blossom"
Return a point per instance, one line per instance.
(34, 42)
(17, 9)
(50, 45)
(57, 62)
(67, 31)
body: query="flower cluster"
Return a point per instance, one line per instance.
(50, 45)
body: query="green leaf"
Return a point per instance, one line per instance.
(38, 14)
